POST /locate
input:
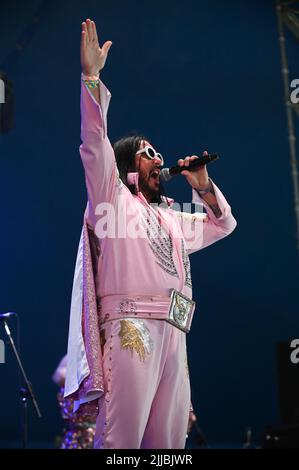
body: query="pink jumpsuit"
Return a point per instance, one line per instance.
(147, 391)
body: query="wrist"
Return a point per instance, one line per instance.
(91, 81)
(90, 76)
(204, 187)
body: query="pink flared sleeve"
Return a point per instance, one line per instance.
(199, 234)
(96, 150)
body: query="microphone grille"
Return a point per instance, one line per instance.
(165, 175)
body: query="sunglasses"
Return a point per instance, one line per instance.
(151, 154)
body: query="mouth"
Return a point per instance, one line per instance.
(155, 174)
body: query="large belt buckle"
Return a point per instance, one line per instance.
(181, 310)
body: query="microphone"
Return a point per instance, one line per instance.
(3, 316)
(168, 173)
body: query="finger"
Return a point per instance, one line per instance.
(84, 27)
(106, 47)
(187, 161)
(94, 32)
(205, 153)
(193, 157)
(89, 29)
(181, 162)
(84, 35)
(83, 40)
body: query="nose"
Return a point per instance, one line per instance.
(158, 161)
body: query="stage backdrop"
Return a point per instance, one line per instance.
(191, 75)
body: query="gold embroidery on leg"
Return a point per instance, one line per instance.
(135, 336)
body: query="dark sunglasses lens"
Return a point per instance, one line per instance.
(151, 152)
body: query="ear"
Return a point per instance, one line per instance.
(137, 163)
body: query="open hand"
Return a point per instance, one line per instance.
(93, 57)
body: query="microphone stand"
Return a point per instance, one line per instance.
(25, 392)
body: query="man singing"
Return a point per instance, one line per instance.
(132, 295)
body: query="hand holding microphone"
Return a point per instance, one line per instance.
(193, 168)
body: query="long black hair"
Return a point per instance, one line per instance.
(125, 150)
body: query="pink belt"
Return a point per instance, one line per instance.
(176, 309)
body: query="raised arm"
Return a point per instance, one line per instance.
(96, 151)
